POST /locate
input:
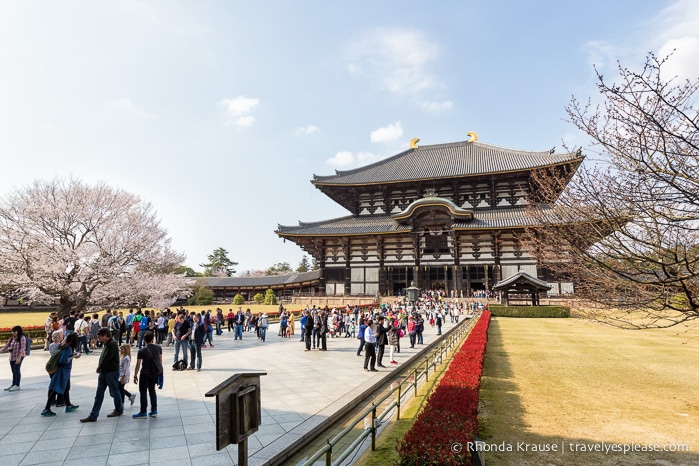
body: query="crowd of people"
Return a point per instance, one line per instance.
(379, 330)
(382, 327)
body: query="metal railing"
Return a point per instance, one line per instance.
(419, 371)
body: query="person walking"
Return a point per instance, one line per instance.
(419, 328)
(48, 327)
(308, 329)
(370, 348)
(196, 342)
(108, 370)
(128, 322)
(324, 329)
(393, 336)
(230, 318)
(125, 373)
(239, 321)
(160, 328)
(381, 340)
(302, 324)
(16, 346)
(180, 334)
(264, 323)
(148, 357)
(219, 321)
(412, 332)
(82, 328)
(360, 336)
(60, 380)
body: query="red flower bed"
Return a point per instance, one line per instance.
(449, 420)
(24, 329)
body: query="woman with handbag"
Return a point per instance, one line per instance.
(60, 380)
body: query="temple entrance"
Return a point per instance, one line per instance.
(438, 278)
(478, 277)
(400, 279)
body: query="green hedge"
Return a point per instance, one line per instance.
(529, 311)
(37, 336)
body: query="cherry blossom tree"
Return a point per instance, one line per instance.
(85, 245)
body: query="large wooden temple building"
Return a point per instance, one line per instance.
(449, 216)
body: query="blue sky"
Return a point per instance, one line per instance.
(220, 112)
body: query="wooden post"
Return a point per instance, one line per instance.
(238, 411)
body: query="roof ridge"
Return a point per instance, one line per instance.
(362, 168)
(312, 224)
(448, 146)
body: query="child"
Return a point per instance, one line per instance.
(125, 372)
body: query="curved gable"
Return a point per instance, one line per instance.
(428, 204)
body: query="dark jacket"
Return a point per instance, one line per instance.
(199, 333)
(109, 359)
(381, 334)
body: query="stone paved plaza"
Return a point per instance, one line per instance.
(300, 390)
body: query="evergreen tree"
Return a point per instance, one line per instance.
(303, 265)
(219, 264)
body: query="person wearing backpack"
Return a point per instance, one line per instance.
(17, 347)
(150, 364)
(145, 326)
(82, 329)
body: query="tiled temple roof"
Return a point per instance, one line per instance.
(524, 278)
(518, 217)
(457, 159)
(243, 282)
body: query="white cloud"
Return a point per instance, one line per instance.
(245, 121)
(306, 130)
(602, 55)
(677, 32)
(437, 107)
(238, 109)
(398, 60)
(126, 107)
(387, 133)
(684, 62)
(347, 159)
(674, 30)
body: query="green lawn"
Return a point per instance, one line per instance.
(575, 383)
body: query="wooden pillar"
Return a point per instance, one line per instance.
(416, 267)
(347, 248)
(383, 285)
(458, 279)
(468, 281)
(319, 246)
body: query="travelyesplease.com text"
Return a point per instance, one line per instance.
(571, 447)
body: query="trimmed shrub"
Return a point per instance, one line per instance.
(202, 296)
(529, 311)
(259, 298)
(238, 299)
(270, 297)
